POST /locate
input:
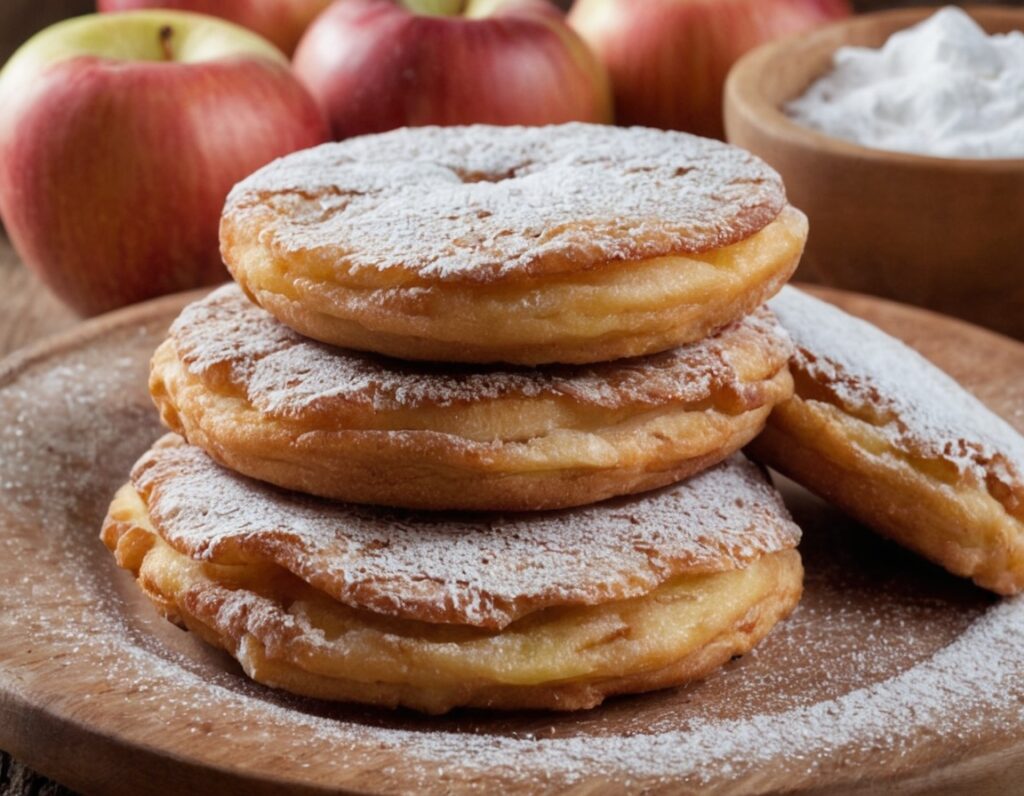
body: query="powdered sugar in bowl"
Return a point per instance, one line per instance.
(940, 226)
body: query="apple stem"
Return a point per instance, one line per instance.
(166, 34)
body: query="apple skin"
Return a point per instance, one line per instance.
(279, 21)
(668, 59)
(114, 171)
(374, 65)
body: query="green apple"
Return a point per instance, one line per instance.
(281, 21)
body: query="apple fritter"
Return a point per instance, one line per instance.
(555, 611)
(880, 431)
(267, 402)
(574, 243)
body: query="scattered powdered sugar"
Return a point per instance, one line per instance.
(978, 672)
(923, 411)
(482, 570)
(476, 203)
(283, 373)
(969, 688)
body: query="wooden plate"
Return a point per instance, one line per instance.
(890, 671)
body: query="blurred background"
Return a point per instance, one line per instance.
(21, 18)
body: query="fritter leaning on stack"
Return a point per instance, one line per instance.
(887, 436)
(559, 249)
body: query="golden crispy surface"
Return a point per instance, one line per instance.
(268, 403)
(480, 570)
(289, 635)
(911, 500)
(642, 273)
(624, 310)
(887, 436)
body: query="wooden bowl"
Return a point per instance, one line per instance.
(938, 232)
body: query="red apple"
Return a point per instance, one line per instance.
(379, 64)
(120, 138)
(281, 21)
(668, 59)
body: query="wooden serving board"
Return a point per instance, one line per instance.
(98, 692)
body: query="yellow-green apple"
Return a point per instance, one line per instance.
(120, 138)
(379, 64)
(280, 21)
(668, 59)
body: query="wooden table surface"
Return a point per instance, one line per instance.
(27, 310)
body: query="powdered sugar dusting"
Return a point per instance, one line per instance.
(921, 410)
(479, 202)
(478, 570)
(283, 373)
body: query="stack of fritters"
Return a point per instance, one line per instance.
(575, 315)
